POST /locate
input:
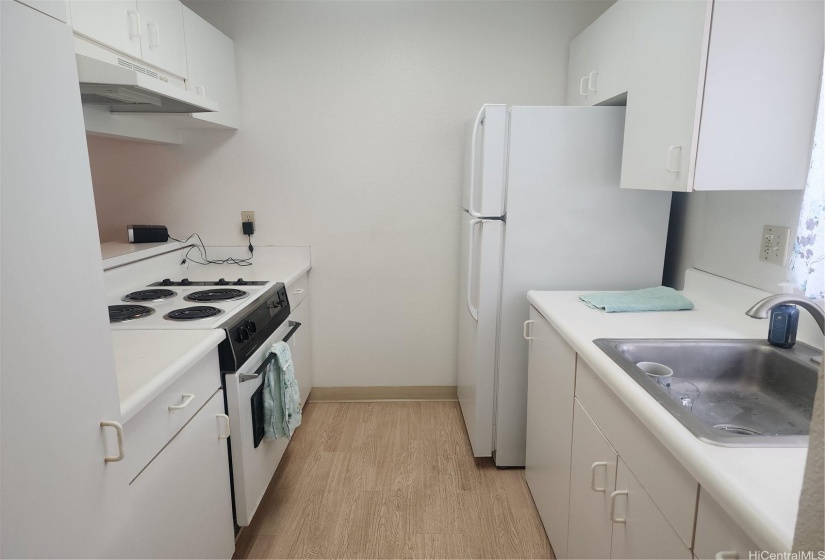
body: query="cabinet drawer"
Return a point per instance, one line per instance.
(717, 535)
(667, 482)
(150, 429)
(298, 290)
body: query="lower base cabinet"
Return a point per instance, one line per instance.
(181, 501)
(592, 482)
(639, 528)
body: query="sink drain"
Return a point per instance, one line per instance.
(738, 430)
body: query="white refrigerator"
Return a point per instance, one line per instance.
(542, 210)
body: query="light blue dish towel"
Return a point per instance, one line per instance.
(660, 298)
(282, 401)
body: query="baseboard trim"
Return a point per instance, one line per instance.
(377, 394)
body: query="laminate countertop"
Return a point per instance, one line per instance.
(758, 487)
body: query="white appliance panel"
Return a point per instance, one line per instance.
(252, 468)
(569, 227)
(481, 243)
(484, 162)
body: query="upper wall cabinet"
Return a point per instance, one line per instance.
(720, 94)
(211, 60)
(149, 30)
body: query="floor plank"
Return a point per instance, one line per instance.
(391, 480)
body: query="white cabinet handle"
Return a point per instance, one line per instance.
(154, 34)
(121, 453)
(187, 398)
(134, 24)
(225, 419)
(473, 310)
(613, 496)
(298, 291)
(727, 555)
(200, 90)
(582, 89)
(672, 162)
(525, 329)
(593, 468)
(591, 82)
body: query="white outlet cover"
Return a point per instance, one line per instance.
(775, 243)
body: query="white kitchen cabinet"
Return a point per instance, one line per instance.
(162, 37)
(600, 58)
(149, 30)
(639, 528)
(210, 59)
(60, 499)
(744, 73)
(551, 375)
(114, 23)
(592, 481)
(181, 501)
(300, 345)
(717, 535)
(664, 77)
(57, 9)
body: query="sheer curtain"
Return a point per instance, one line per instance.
(807, 264)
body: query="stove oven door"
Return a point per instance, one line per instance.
(254, 459)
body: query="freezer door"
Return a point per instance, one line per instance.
(481, 242)
(485, 148)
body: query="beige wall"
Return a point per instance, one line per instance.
(351, 141)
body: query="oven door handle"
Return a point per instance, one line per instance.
(244, 377)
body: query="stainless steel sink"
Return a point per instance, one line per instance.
(752, 394)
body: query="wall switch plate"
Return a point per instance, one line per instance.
(775, 242)
(247, 216)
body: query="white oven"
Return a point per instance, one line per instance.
(254, 459)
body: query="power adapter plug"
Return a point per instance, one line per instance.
(248, 228)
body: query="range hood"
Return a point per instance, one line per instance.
(130, 88)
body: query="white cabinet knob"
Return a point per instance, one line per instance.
(121, 452)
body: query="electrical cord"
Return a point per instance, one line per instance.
(204, 258)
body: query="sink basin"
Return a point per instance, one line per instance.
(751, 394)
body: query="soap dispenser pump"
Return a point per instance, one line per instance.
(784, 321)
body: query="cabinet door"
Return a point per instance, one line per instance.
(666, 76)
(181, 501)
(115, 23)
(717, 535)
(551, 376)
(592, 481)
(58, 9)
(210, 57)
(580, 62)
(639, 528)
(59, 498)
(301, 347)
(162, 42)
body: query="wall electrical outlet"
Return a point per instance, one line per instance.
(775, 242)
(247, 216)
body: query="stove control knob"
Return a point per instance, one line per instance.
(251, 328)
(167, 282)
(243, 334)
(241, 282)
(186, 282)
(221, 282)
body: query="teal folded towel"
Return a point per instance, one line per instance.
(282, 401)
(660, 298)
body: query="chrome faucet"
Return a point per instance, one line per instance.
(762, 309)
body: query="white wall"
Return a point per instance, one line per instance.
(351, 141)
(719, 232)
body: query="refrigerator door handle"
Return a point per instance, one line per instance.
(476, 125)
(473, 310)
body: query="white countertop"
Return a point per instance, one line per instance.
(757, 487)
(149, 361)
(116, 253)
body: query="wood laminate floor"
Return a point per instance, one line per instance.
(391, 480)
